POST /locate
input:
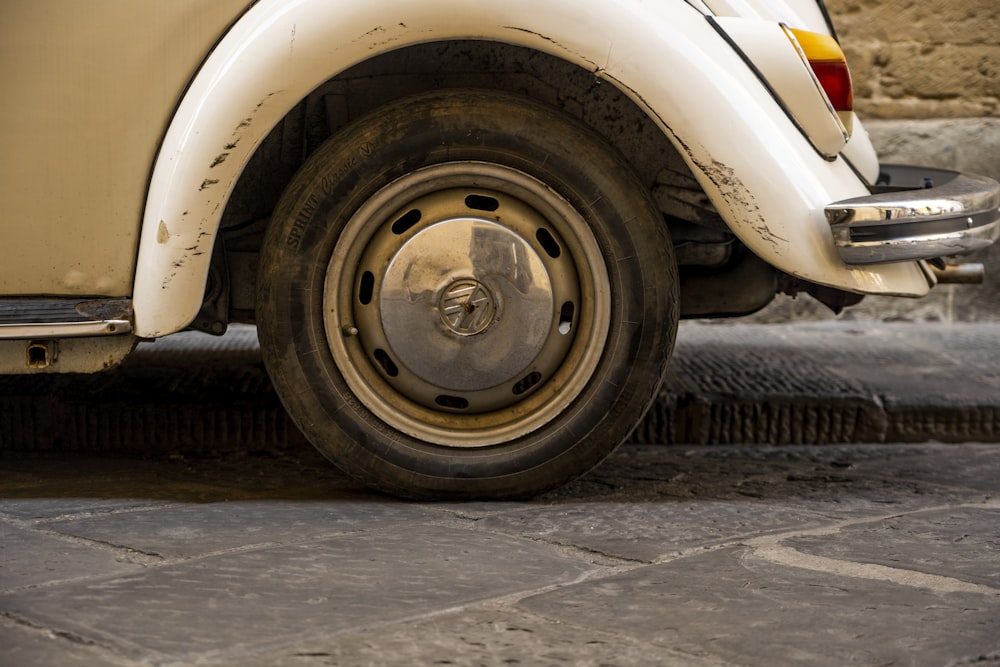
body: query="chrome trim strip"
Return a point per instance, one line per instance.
(64, 329)
(930, 213)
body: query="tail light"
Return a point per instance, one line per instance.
(829, 65)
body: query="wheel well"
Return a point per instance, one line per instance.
(453, 64)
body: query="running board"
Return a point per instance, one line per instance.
(22, 319)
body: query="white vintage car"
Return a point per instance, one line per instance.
(465, 230)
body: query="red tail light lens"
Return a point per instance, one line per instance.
(835, 78)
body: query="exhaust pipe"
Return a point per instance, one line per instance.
(959, 274)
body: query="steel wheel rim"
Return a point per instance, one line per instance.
(411, 297)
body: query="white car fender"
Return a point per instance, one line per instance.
(766, 180)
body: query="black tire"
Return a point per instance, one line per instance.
(466, 294)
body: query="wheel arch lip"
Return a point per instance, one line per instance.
(664, 56)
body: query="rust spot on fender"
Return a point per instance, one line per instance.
(739, 197)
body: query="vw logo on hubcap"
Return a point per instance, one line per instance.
(467, 307)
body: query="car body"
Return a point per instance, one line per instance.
(175, 165)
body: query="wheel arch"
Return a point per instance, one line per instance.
(244, 89)
(663, 56)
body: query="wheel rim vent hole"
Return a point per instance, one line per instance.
(452, 402)
(549, 243)
(566, 317)
(526, 383)
(366, 290)
(385, 361)
(482, 203)
(406, 222)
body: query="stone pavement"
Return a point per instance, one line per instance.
(167, 513)
(728, 555)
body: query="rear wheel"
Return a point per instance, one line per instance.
(466, 294)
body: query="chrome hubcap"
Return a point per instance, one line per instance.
(464, 308)
(466, 304)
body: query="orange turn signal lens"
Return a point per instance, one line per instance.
(829, 64)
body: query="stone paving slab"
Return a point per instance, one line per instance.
(742, 608)
(474, 638)
(649, 531)
(29, 558)
(943, 542)
(233, 603)
(22, 645)
(654, 506)
(190, 531)
(816, 555)
(831, 481)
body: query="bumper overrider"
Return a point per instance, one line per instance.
(917, 213)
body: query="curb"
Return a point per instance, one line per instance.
(808, 383)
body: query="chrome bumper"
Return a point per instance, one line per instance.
(917, 213)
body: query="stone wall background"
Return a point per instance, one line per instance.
(922, 58)
(927, 87)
